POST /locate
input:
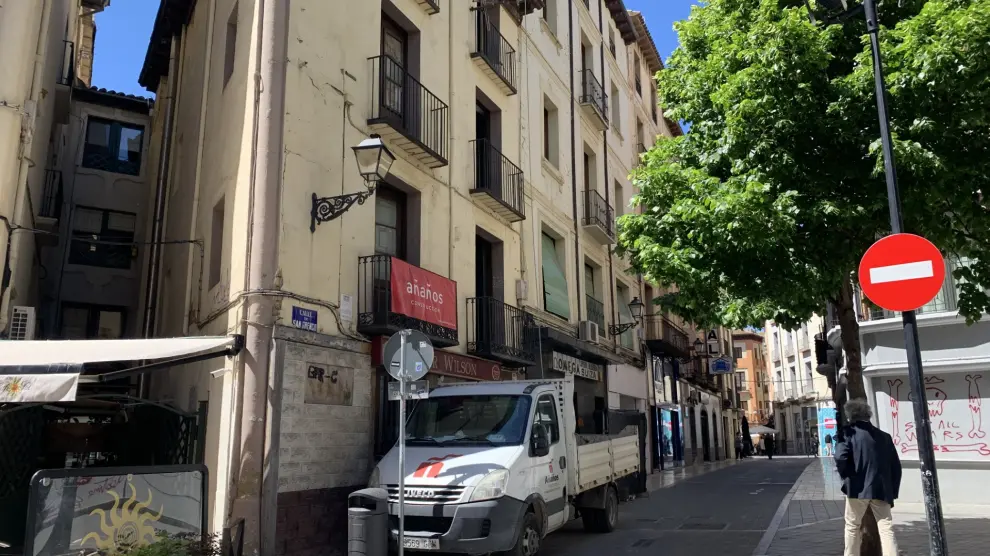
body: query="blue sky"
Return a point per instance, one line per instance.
(123, 31)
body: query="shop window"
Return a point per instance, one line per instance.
(113, 146)
(103, 238)
(555, 298)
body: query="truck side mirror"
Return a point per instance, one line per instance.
(539, 443)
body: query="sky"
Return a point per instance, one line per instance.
(124, 29)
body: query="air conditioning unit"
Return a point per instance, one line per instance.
(588, 331)
(22, 323)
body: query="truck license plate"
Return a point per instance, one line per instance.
(419, 543)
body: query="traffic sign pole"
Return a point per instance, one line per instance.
(402, 440)
(926, 449)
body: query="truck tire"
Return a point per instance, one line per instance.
(530, 537)
(602, 520)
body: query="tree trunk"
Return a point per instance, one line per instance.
(852, 351)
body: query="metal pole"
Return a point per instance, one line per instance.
(926, 451)
(402, 440)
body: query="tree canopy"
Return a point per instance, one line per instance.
(766, 205)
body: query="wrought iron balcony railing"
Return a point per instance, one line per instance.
(51, 195)
(496, 53)
(663, 336)
(498, 183)
(946, 301)
(496, 331)
(375, 308)
(596, 312)
(599, 216)
(402, 106)
(592, 94)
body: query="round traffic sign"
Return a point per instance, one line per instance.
(417, 358)
(902, 272)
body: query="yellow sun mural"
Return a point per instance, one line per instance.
(127, 523)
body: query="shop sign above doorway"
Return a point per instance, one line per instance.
(577, 367)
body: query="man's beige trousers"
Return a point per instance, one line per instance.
(855, 510)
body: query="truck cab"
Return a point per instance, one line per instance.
(495, 467)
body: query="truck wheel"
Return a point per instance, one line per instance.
(528, 542)
(602, 520)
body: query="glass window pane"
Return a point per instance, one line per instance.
(98, 133)
(386, 212)
(130, 144)
(88, 221)
(555, 296)
(74, 323)
(120, 221)
(111, 325)
(386, 241)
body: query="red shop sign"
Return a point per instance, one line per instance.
(423, 295)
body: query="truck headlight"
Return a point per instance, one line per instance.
(374, 480)
(491, 486)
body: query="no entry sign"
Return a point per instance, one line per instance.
(902, 272)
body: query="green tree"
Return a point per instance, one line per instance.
(763, 209)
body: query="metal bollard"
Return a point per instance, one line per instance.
(367, 522)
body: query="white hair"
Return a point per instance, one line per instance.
(858, 410)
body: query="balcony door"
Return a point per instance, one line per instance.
(490, 313)
(396, 88)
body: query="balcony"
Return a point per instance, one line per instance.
(593, 99)
(376, 308)
(947, 300)
(407, 114)
(496, 331)
(663, 337)
(431, 7)
(596, 312)
(64, 81)
(498, 183)
(599, 218)
(494, 55)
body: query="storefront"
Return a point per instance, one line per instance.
(589, 389)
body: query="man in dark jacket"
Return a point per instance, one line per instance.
(870, 469)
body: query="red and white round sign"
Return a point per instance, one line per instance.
(902, 272)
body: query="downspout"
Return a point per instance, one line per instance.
(161, 186)
(611, 270)
(252, 469)
(523, 157)
(574, 192)
(193, 224)
(451, 148)
(12, 253)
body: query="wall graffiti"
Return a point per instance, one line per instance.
(955, 409)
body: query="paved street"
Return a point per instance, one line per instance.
(784, 507)
(724, 512)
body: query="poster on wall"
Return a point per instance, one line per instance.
(955, 408)
(827, 424)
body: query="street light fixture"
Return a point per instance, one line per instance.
(374, 161)
(926, 449)
(636, 309)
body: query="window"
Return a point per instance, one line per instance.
(619, 200)
(740, 379)
(551, 132)
(737, 352)
(87, 322)
(230, 48)
(653, 104)
(589, 281)
(638, 69)
(616, 109)
(103, 238)
(113, 146)
(555, 298)
(546, 415)
(611, 40)
(550, 15)
(590, 169)
(216, 244)
(389, 223)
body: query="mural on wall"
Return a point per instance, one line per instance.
(955, 408)
(826, 431)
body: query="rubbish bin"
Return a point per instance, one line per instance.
(367, 522)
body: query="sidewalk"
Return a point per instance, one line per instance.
(809, 521)
(670, 477)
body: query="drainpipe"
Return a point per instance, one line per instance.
(161, 187)
(251, 468)
(451, 148)
(12, 253)
(574, 191)
(611, 277)
(194, 222)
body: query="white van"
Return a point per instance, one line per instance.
(495, 467)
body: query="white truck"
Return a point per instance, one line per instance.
(494, 467)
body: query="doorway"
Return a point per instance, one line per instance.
(490, 319)
(705, 436)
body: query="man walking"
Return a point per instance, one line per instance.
(870, 469)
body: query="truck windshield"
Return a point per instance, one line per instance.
(483, 420)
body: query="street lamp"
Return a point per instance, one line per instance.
(926, 450)
(636, 309)
(374, 161)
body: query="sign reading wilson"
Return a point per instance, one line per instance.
(423, 295)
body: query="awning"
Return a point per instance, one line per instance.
(49, 370)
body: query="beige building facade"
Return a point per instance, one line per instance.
(752, 375)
